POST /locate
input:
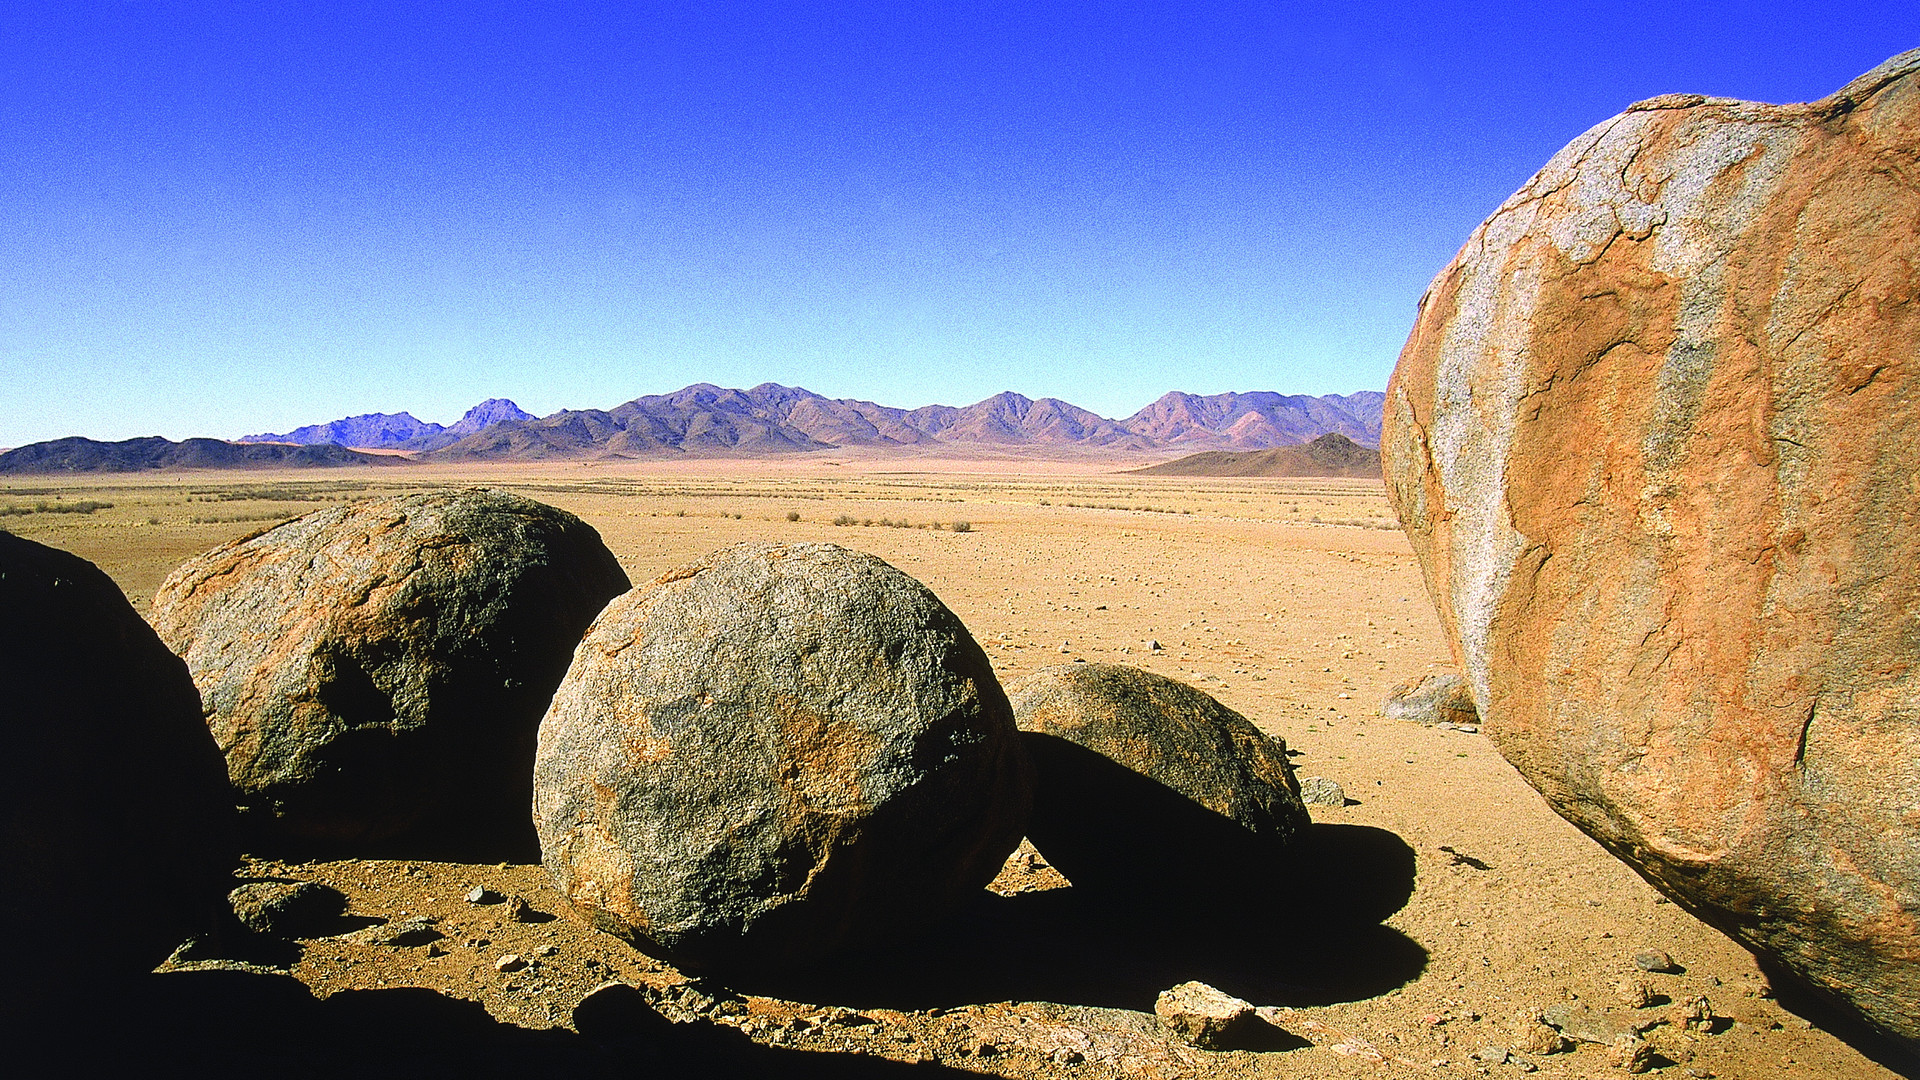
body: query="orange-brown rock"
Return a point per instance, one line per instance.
(1655, 438)
(376, 673)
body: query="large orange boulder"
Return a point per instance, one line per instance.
(1655, 438)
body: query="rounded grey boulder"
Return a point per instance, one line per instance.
(116, 823)
(375, 673)
(761, 757)
(1147, 785)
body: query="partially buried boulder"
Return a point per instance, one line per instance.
(773, 753)
(1431, 699)
(116, 836)
(375, 673)
(1654, 439)
(1147, 786)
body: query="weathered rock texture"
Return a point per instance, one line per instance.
(1654, 438)
(1204, 1016)
(116, 830)
(1145, 783)
(1432, 699)
(376, 673)
(775, 752)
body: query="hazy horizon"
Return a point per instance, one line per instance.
(225, 221)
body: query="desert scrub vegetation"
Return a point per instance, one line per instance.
(84, 506)
(889, 523)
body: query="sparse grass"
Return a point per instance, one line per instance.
(963, 526)
(793, 515)
(85, 506)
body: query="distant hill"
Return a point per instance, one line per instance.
(139, 455)
(773, 419)
(397, 431)
(1332, 454)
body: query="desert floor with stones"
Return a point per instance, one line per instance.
(1296, 602)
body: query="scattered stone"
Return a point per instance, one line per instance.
(480, 894)
(774, 753)
(1655, 961)
(1152, 645)
(1320, 791)
(1432, 700)
(545, 950)
(510, 962)
(407, 933)
(518, 911)
(1633, 993)
(1693, 1014)
(1533, 1035)
(375, 673)
(1147, 785)
(1066, 1055)
(1203, 1016)
(1584, 1023)
(1656, 463)
(288, 909)
(1491, 1055)
(116, 823)
(1631, 1053)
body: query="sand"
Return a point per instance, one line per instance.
(1296, 602)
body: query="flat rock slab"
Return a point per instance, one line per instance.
(774, 753)
(375, 674)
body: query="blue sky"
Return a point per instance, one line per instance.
(218, 219)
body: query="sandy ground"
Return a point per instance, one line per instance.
(1295, 602)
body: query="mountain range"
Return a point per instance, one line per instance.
(704, 419)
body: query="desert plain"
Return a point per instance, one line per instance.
(1297, 602)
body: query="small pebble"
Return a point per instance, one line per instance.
(1655, 961)
(510, 962)
(480, 894)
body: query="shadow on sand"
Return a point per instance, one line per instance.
(1165, 890)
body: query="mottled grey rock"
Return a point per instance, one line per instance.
(375, 673)
(403, 934)
(1320, 791)
(116, 837)
(480, 894)
(1656, 961)
(1146, 785)
(1204, 1016)
(288, 909)
(773, 753)
(1432, 699)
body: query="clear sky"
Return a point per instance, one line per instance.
(223, 218)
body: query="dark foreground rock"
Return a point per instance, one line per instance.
(1146, 785)
(116, 836)
(375, 673)
(1653, 439)
(773, 753)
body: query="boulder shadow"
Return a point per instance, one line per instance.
(1164, 890)
(209, 1024)
(1814, 1005)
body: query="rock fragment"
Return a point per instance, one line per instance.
(1584, 1023)
(1655, 961)
(1432, 700)
(1204, 1016)
(1320, 791)
(375, 673)
(288, 909)
(774, 753)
